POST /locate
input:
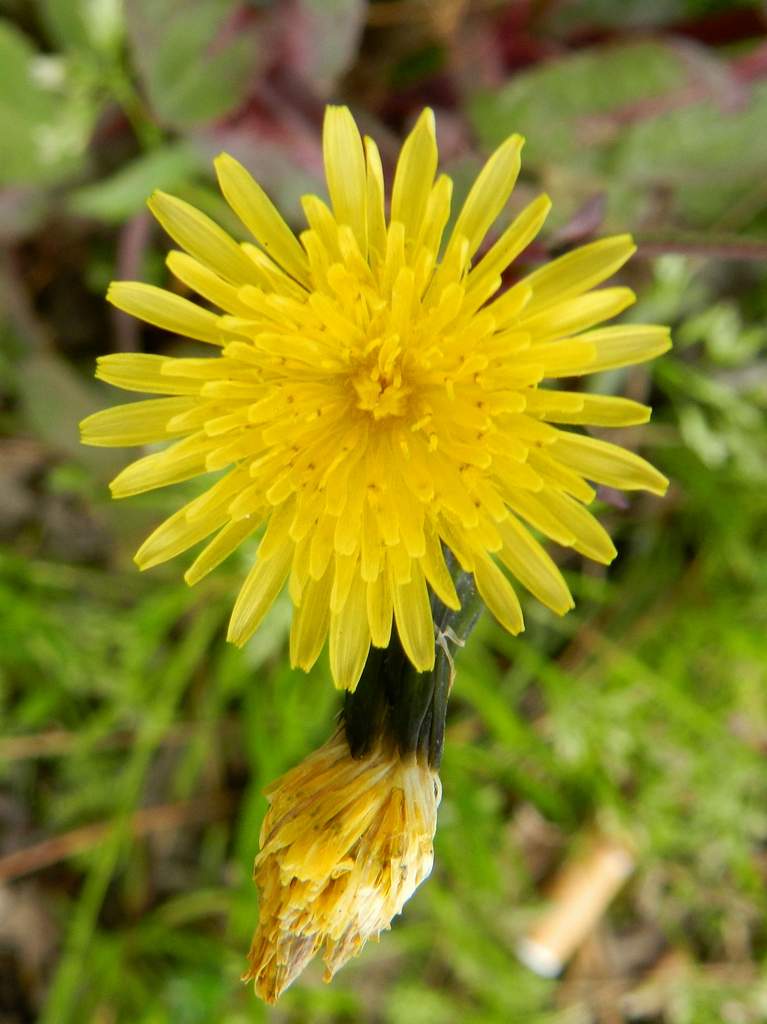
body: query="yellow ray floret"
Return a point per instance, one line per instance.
(375, 398)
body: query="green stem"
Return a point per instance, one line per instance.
(408, 707)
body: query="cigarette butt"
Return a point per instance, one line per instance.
(579, 897)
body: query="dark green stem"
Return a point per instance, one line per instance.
(407, 707)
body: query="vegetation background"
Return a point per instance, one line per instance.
(135, 744)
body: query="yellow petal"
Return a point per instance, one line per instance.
(347, 538)
(498, 594)
(277, 536)
(559, 358)
(394, 259)
(310, 621)
(451, 268)
(577, 271)
(135, 422)
(177, 534)
(436, 215)
(345, 170)
(262, 585)
(542, 402)
(589, 536)
(220, 494)
(273, 276)
(380, 609)
(552, 471)
(259, 215)
(608, 464)
(599, 411)
(210, 286)
(517, 236)
(181, 461)
(414, 175)
(625, 345)
(537, 512)
(376, 216)
(350, 637)
(414, 622)
(436, 571)
(165, 310)
(243, 445)
(371, 546)
(140, 371)
(318, 255)
(531, 565)
(227, 540)
(576, 314)
(507, 308)
(346, 570)
(455, 539)
(324, 225)
(202, 238)
(207, 369)
(321, 546)
(489, 193)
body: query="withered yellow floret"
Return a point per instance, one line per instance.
(344, 845)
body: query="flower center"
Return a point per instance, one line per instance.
(377, 378)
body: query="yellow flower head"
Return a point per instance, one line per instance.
(344, 845)
(373, 398)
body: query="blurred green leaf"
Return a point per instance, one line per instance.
(654, 128)
(44, 121)
(83, 24)
(54, 399)
(551, 104)
(194, 64)
(120, 196)
(709, 155)
(576, 14)
(66, 23)
(330, 31)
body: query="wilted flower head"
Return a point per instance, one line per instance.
(344, 845)
(372, 399)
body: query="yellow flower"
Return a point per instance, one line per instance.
(373, 399)
(344, 845)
